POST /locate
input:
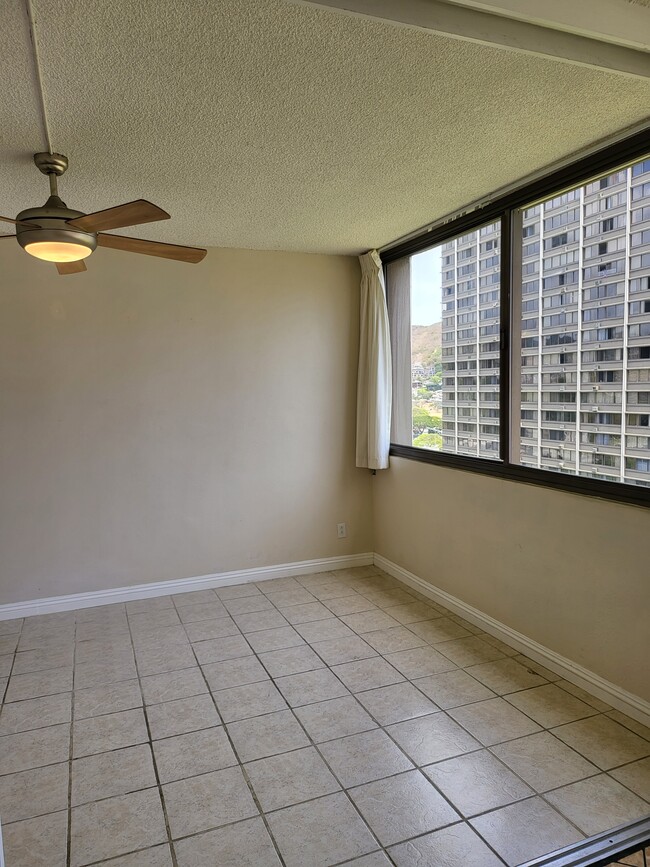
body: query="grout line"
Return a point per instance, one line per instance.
(258, 656)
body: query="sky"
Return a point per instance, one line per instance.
(426, 298)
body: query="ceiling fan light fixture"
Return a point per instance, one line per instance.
(58, 251)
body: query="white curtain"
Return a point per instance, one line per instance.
(374, 385)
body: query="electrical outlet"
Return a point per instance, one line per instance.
(342, 530)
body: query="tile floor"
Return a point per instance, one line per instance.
(336, 718)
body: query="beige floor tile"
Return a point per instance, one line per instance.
(268, 735)
(250, 604)
(182, 716)
(104, 671)
(336, 718)
(336, 651)
(22, 716)
(202, 611)
(332, 590)
(307, 613)
(387, 596)
(310, 687)
(546, 673)
(441, 629)
(113, 697)
(477, 782)
(6, 664)
(545, 830)
(109, 732)
(160, 637)
(456, 846)
(254, 699)
(394, 639)
(203, 630)
(352, 604)
(376, 859)
(629, 723)
(40, 842)
(401, 807)
(23, 686)
(8, 643)
(506, 649)
(153, 619)
(173, 685)
(41, 660)
(324, 630)
(92, 631)
(420, 662)
(234, 672)
(208, 801)
(192, 754)
(245, 844)
(158, 856)
(469, 651)
(235, 591)
(287, 598)
(114, 773)
(278, 585)
(364, 757)
(34, 793)
(550, 706)
(220, 649)
(413, 612)
(34, 749)
(598, 804)
(11, 627)
(603, 741)
(581, 693)
(274, 639)
(116, 826)
(321, 832)
(453, 688)
(158, 660)
(369, 621)
(505, 676)
(116, 649)
(543, 761)
(367, 674)
(493, 721)
(291, 660)
(147, 606)
(396, 703)
(290, 778)
(194, 597)
(636, 777)
(260, 621)
(432, 738)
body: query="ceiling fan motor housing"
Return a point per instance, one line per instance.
(49, 225)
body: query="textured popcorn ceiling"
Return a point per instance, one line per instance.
(273, 125)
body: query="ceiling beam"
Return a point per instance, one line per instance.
(489, 28)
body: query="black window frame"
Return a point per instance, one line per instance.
(502, 209)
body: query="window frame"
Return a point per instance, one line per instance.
(505, 209)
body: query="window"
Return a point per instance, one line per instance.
(440, 387)
(577, 272)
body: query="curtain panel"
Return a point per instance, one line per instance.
(374, 384)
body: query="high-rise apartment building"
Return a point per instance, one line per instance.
(584, 330)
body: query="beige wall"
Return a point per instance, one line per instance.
(160, 420)
(570, 572)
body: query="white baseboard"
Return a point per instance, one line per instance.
(180, 585)
(630, 704)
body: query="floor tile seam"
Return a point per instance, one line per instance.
(161, 794)
(608, 714)
(566, 818)
(554, 725)
(464, 822)
(552, 731)
(247, 780)
(70, 765)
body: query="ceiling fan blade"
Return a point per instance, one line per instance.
(152, 248)
(129, 214)
(71, 267)
(6, 236)
(7, 220)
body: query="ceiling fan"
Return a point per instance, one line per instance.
(58, 234)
